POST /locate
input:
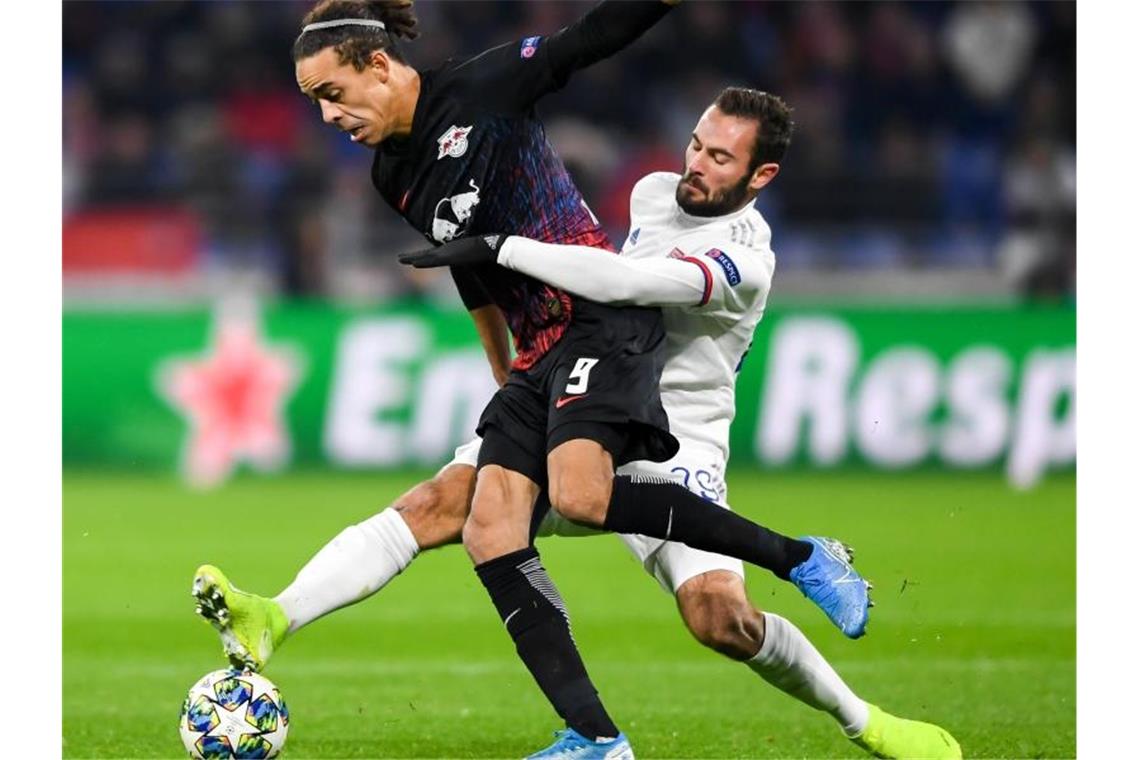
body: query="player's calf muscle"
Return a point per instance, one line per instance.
(717, 612)
(436, 509)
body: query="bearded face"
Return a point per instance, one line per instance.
(696, 198)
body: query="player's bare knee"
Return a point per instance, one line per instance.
(581, 503)
(581, 481)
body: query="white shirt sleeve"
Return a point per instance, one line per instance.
(602, 276)
(702, 282)
(737, 278)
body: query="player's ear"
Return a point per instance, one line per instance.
(380, 65)
(762, 175)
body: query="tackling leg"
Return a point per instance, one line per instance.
(359, 561)
(716, 610)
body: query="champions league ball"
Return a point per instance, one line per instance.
(234, 713)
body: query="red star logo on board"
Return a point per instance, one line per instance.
(233, 398)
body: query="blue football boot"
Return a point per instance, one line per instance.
(571, 745)
(828, 579)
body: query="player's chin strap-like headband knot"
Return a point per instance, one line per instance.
(343, 22)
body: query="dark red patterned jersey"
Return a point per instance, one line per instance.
(478, 162)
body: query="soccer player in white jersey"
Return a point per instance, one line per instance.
(700, 250)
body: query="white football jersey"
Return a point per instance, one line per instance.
(705, 342)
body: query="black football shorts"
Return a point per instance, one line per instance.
(599, 382)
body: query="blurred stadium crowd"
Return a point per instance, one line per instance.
(931, 137)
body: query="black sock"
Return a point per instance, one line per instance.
(663, 509)
(535, 616)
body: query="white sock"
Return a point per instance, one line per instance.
(360, 561)
(788, 661)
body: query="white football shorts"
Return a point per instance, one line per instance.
(699, 469)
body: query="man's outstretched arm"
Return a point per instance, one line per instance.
(489, 322)
(607, 28)
(513, 76)
(601, 276)
(604, 277)
(496, 341)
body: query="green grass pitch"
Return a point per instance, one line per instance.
(974, 625)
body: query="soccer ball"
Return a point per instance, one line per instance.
(234, 713)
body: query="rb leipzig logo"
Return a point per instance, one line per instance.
(453, 142)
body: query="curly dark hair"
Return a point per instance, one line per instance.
(355, 44)
(773, 119)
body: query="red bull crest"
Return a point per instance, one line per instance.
(453, 142)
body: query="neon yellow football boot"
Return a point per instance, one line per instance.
(251, 627)
(888, 736)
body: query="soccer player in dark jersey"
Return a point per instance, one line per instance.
(460, 151)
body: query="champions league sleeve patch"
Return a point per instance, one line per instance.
(727, 264)
(529, 47)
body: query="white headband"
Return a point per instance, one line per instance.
(343, 22)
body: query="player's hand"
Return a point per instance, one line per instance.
(478, 249)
